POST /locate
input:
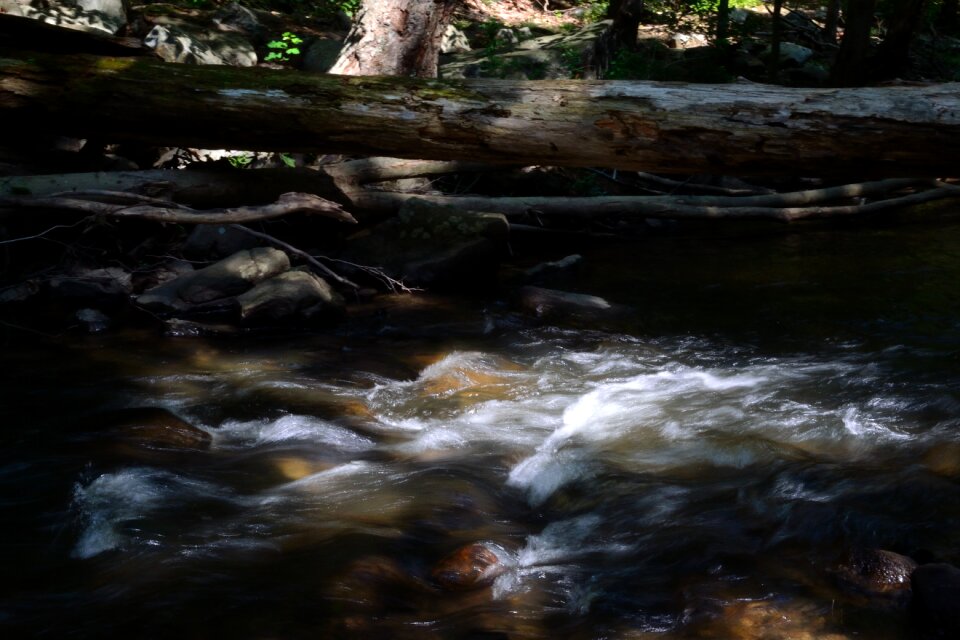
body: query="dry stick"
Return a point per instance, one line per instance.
(303, 254)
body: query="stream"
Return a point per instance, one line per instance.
(697, 472)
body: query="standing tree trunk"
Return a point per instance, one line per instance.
(948, 19)
(723, 23)
(395, 38)
(893, 53)
(849, 67)
(626, 15)
(831, 21)
(775, 37)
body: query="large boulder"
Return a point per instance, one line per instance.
(294, 296)
(436, 247)
(210, 287)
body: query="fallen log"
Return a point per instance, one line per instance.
(742, 129)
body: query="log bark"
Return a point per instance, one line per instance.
(736, 129)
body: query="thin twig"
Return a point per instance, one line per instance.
(303, 254)
(43, 233)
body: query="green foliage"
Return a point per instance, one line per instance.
(285, 47)
(288, 160)
(240, 162)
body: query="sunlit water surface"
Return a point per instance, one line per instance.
(698, 473)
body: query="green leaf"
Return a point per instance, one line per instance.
(287, 160)
(294, 51)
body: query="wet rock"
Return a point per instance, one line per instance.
(294, 296)
(547, 273)
(935, 606)
(769, 620)
(20, 292)
(470, 567)
(563, 306)
(152, 428)
(436, 247)
(232, 276)
(93, 320)
(943, 459)
(877, 572)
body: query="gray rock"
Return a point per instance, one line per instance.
(203, 289)
(552, 304)
(20, 292)
(688, 40)
(11, 7)
(792, 54)
(546, 57)
(186, 45)
(93, 320)
(551, 272)
(506, 37)
(294, 296)
(236, 18)
(454, 41)
(936, 596)
(104, 286)
(216, 241)
(107, 16)
(321, 54)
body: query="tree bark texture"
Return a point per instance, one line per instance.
(735, 129)
(893, 54)
(395, 38)
(849, 69)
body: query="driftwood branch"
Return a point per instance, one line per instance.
(286, 204)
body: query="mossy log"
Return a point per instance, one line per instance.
(742, 129)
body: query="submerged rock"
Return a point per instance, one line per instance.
(93, 320)
(470, 567)
(553, 305)
(144, 430)
(195, 291)
(877, 572)
(936, 599)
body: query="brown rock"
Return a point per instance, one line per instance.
(877, 572)
(470, 567)
(154, 428)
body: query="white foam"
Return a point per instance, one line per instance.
(114, 500)
(290, 428)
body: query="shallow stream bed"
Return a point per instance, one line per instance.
(697, 472)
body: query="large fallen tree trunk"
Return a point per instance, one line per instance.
(745, 129)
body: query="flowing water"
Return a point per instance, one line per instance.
(699, 471)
